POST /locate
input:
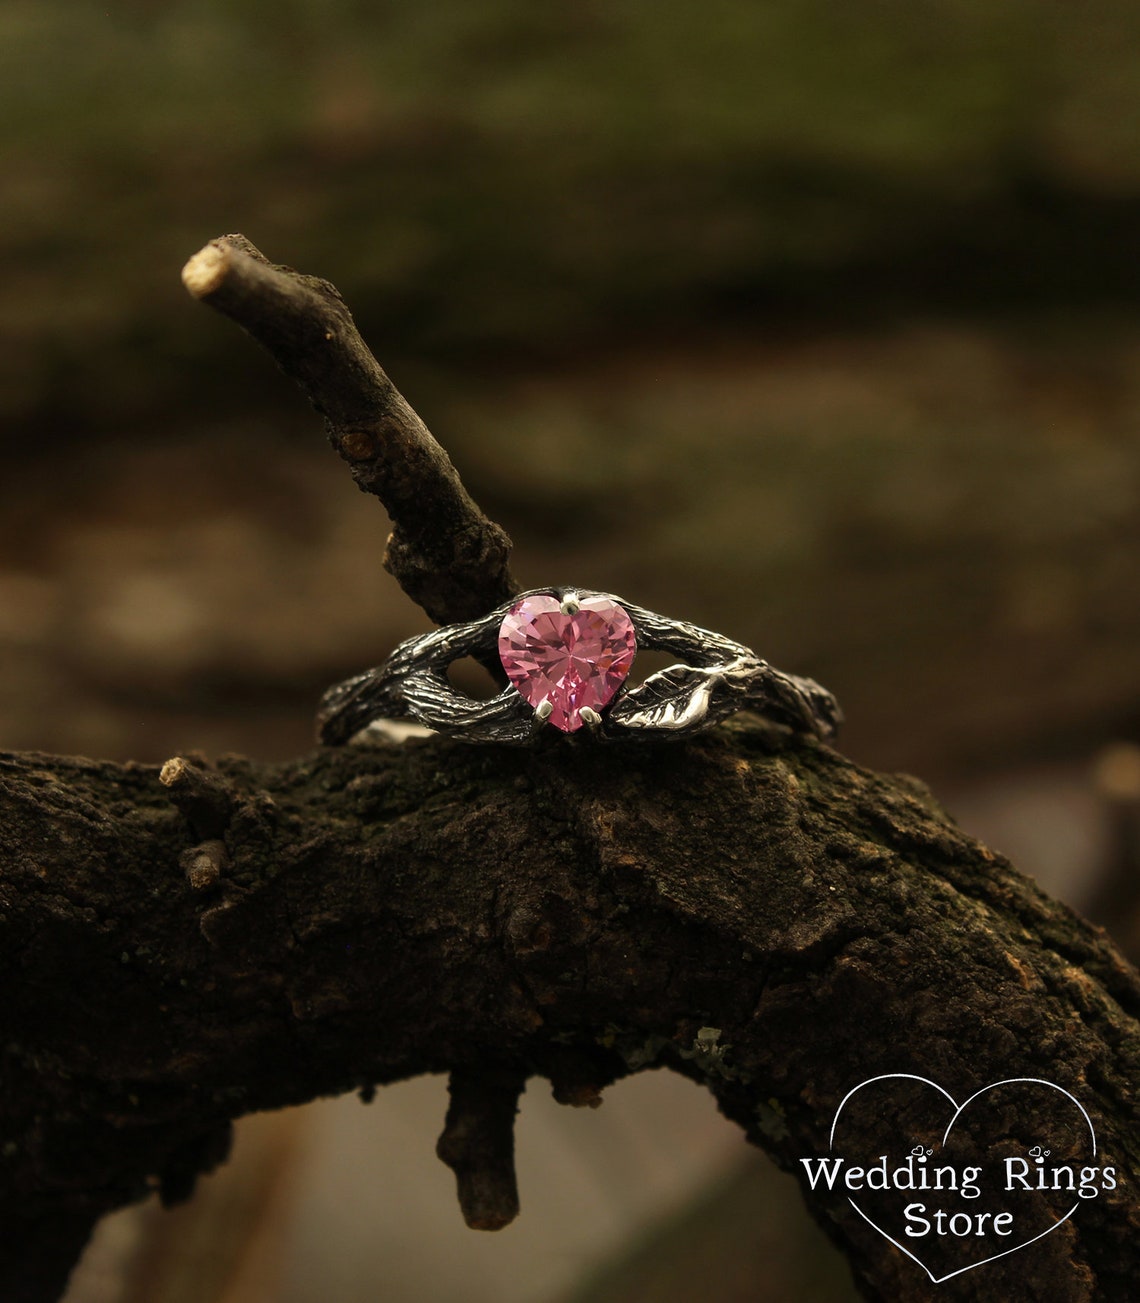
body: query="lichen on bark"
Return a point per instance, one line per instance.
(181, 945)
(569, 913)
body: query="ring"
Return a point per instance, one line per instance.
(566, 653)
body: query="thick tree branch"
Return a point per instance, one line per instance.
(180, 946)
(750, 910)
(444, 553)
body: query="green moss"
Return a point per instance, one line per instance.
(771, 1120)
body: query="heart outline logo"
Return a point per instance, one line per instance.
(958, 1110)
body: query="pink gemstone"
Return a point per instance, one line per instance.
(569, 660)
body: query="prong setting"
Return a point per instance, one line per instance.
(592, 720)
(542, 713)
(570, 604)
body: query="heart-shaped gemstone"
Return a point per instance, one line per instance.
(571, 660)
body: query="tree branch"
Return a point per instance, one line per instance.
(444, 553)
(750, 909)
(478, 1142)
(182, 945)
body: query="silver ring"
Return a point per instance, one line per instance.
(576, 684)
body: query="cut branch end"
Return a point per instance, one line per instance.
(205, 272)
(206, 798)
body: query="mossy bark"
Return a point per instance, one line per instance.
(749, 909)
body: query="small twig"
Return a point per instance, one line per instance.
(203, 864)
(208, 801)
(478, 1143)
(206, 798)
(443, 551)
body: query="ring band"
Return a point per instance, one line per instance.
(563, 648)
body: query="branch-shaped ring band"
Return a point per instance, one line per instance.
(567, 652)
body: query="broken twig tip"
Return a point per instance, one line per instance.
(445, 553)
(203, 864)
(204, 273)
(205, 797)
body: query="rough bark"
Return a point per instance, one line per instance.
(575, 914)
(181, 945)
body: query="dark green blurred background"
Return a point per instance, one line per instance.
(518, 179)
(816, 322)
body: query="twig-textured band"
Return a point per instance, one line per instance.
(719, 678)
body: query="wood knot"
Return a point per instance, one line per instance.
(357, 445)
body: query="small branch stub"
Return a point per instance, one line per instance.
(203, 864)
(386, 925)
(361, 944)
(478, 1143)
(204, 797)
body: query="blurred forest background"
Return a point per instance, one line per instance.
(813, 321)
